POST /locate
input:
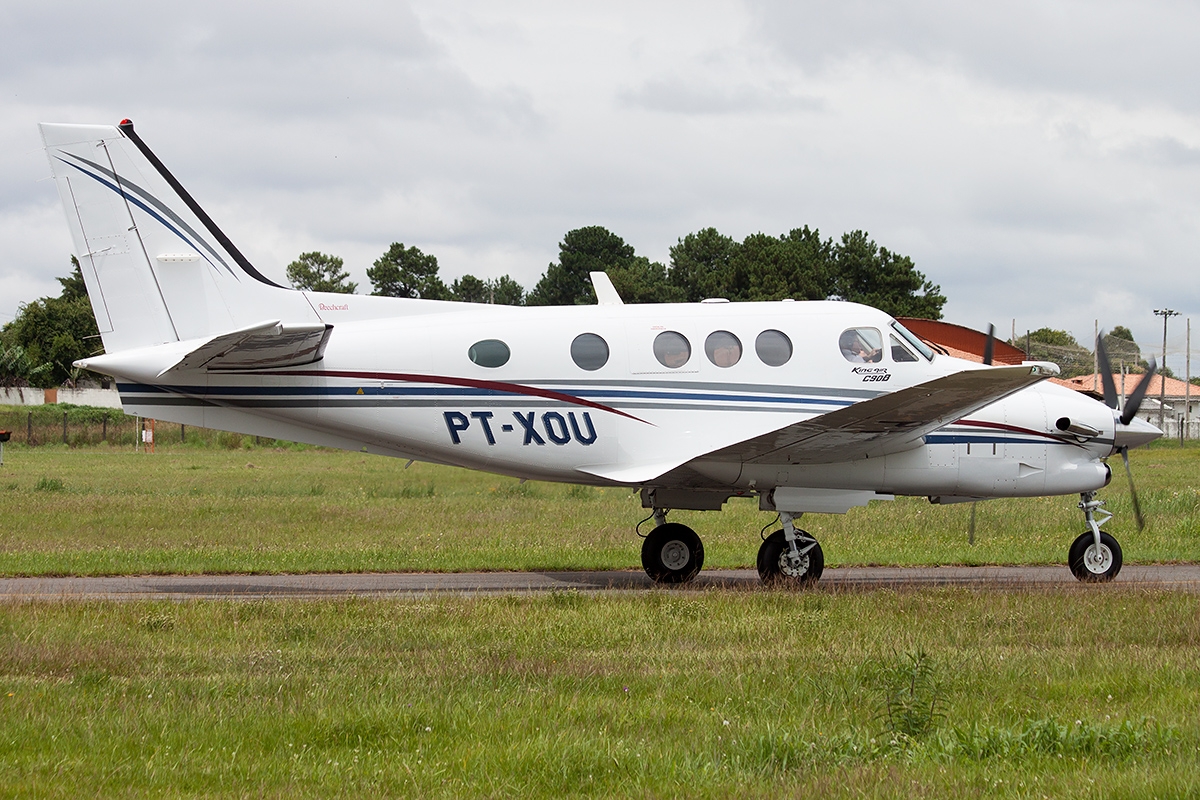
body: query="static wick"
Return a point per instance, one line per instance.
(411, 461)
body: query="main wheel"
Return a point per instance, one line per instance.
(672, 553)
(775, 563)
(1094, 565)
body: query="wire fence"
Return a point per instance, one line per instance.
(1075, 360)
(84, 426)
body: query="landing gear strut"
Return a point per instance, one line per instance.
(671, 553)
(1095, 556)
(790, 555)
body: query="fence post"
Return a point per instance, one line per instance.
(104, 429)
(29, 429)
(64, 427)
(182, 433)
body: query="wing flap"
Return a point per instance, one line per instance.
(890, 423)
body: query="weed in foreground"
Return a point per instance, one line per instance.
(913, 697)
(49, 485)
(1028, 740)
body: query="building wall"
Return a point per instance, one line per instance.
(102, 398)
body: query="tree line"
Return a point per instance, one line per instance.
(48, 334)
(799, 264)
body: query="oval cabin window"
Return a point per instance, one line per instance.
(589, 351)
(672, 349)
(723, 348)
(489, 353)
(774, 348)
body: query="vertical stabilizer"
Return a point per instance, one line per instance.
(156, 266)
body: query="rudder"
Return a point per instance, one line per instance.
(157, 268)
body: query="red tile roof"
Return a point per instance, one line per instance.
(1094, 383)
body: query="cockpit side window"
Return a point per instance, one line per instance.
(909, 337)
(861, 345)
(900, 353)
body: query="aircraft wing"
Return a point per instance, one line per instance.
(889, 423)
(262, 346)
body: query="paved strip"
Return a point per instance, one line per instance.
(1185, 578)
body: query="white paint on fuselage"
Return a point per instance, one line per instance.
(406, 369)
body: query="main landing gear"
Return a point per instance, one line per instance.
(1095, 556)
(672, 553)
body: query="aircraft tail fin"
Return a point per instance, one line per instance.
(157, 267)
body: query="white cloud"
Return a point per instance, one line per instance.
(1038, 161)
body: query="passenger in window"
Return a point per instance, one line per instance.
(672, 349)
(723, 348)
(726, 355)
(675, 358)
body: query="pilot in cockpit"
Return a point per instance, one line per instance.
(855, 348)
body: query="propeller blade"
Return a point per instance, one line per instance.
(1110, 388)
(989, 347)
(1134, 402)
(1137, 507)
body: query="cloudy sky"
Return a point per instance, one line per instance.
(1039, 160)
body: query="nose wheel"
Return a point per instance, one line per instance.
(1095, 556)
(1094, 563)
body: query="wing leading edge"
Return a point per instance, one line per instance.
(890, 423)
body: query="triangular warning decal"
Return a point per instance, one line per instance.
(360, 391)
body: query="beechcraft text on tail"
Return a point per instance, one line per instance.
(807, 406)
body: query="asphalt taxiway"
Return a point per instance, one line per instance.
(1182, 578)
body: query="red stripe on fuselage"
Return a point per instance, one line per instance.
(495, 386)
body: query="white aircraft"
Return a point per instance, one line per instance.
(808, 406)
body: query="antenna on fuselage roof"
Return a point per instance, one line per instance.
(606, 293)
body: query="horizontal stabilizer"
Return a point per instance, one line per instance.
(890, 423)
(266, 345)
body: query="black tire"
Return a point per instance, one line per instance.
(773, 567)
(672, 553)
(1083, 561)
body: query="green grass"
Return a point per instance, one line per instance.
(109, 510)
(697, 694)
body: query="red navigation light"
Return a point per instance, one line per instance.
(126, 122)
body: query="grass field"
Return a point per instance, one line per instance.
(109, 510)
(1081, 692)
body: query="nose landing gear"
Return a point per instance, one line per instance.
(1095, 556)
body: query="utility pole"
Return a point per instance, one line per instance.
(1187, 380)
(1166, 314)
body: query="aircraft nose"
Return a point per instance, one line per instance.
(1137, 433)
